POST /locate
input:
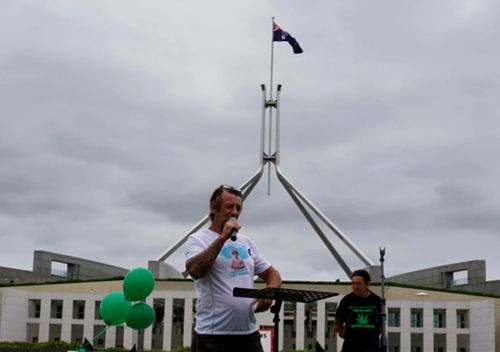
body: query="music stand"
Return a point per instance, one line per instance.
(279, 295)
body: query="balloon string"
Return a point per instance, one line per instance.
(84, 347)
(101, 332)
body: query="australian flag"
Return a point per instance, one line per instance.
(279, 35)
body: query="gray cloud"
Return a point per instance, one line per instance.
(118, 120)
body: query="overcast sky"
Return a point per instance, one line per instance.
(119, 118)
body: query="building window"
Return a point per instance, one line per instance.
(54, 332)
(77, 333)
(462, 319)
(100, 332)
(393, 342)
(97, 310)
(463, 343)
(56, 309)
(32, 332)
(439, 318)
(119, 336)
(417, 343)
(289, 325)
(59, 269)
(416, 316)
(158, 324)
(393, 316)
(34, 307)
(310, 322)
(78, 309)
(177, 332)
(459, 278)
(330, 309)
(439, 342)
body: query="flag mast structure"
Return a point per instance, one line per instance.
(273, 157)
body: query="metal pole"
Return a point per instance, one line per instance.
(275, 309)
(328, 222)
(272, 61)
(270, 110)
(293, 194)
(262, 127)
(383, 335)
(277, 126)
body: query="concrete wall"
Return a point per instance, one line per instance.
(481, 318)
(78, 267)
(492, 287)
(440, 276)
(16, 276)
(14, 315)
(162, 270)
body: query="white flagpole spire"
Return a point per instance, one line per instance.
(270, 110)
(272, 60)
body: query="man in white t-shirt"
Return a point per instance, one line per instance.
(218, 264)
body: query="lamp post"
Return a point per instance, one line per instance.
(383, 334)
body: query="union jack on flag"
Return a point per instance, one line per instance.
(279, 35)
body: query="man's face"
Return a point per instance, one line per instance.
(359, 287)
(230, 206)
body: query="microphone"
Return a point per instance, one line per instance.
(234, 230)
(233, 234)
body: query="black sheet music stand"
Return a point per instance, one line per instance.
(279, 295)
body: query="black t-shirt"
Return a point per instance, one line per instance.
(361, 316)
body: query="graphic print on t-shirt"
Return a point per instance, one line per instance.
(237, 256)
(362, 317)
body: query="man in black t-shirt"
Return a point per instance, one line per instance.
(357, 318)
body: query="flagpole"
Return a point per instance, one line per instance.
(272, 59)
(270, 110)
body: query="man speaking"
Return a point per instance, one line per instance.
(219, 258)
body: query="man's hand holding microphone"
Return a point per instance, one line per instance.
(231, 228)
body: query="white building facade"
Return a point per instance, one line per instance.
(417, 321)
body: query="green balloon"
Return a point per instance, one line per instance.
(140, 316)
(138, 284)
(114, 308)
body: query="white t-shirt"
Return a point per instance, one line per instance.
(217, 311)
